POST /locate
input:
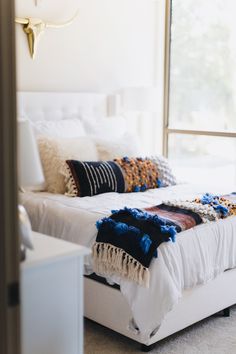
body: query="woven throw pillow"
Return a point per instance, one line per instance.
(164, 171)
(54, 152)
(139, 173)
(120, 175)
(86, 178)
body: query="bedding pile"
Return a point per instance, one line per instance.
(128, 240)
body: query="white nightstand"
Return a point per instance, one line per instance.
(52, 297)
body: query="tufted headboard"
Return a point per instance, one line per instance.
(60, 105)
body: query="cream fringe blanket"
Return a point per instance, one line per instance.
(109, 260)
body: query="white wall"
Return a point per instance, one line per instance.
(112, 44)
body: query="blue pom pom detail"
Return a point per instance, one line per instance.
(107, 222)
(118, 227)
(99, 224)
(209, 198)
(143, 188)
(159, 183)
(136, 189)
(121, 228)
(171, 230)
(143, 215)
(145, 243)
(214, 201)
(221, 209)
(155, 254)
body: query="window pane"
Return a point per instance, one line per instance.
(203, 159)
(203, 65)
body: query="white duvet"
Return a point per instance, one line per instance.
(199, 254)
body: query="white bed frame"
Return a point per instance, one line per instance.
(104, 304)
(107, 306)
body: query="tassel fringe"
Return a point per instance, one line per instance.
(71, 189)
(110, 260)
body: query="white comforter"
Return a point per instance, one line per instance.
(198, 256)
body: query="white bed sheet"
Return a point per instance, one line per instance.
(199, 254)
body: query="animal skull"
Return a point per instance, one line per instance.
(34, 27)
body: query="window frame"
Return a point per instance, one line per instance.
(167, 73)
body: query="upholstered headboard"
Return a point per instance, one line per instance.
(60, 105)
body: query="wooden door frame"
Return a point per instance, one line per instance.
(9, 241)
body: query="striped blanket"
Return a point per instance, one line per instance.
(128, 239)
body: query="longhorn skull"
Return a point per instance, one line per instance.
(34, 27)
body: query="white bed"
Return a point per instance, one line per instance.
(188, 279)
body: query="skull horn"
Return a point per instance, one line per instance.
(21, 21)
(33, 27)
(62, 24)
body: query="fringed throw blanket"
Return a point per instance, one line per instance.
(128, 240)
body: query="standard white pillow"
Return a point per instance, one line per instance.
(127, 145)
(67, 128)
(108, 127)
(54, 152)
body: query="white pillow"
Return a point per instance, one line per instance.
(127, 145)
(109, 127)
(54, 152)
(66, 128)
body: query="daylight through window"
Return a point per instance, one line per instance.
(201, 127)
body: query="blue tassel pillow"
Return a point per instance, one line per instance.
(121, 175)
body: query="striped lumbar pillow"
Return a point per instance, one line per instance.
(120, 175)
(91, 178)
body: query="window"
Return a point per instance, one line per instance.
(200, 127)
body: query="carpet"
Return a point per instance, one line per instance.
(214, 335)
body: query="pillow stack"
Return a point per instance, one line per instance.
(78, 164)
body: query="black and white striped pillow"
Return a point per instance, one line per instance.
(91, 178)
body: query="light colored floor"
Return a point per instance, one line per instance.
(215, 335)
